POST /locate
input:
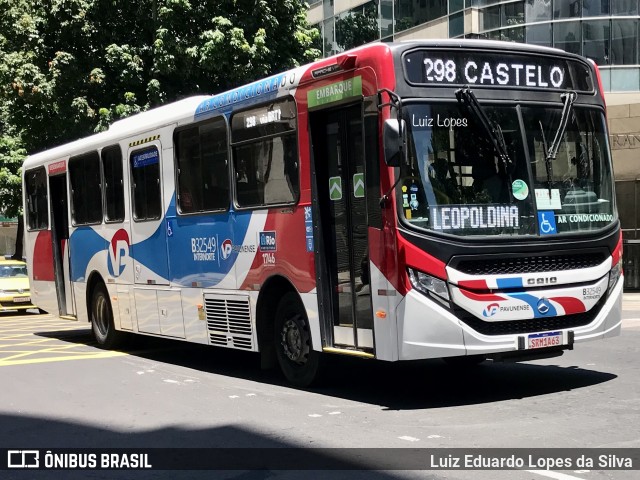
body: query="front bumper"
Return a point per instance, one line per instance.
(428, 330)
(9, 303)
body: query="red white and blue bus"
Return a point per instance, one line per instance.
(403, 201)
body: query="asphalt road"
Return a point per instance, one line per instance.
(59, 390)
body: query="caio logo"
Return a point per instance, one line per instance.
(118, 251)
(490, 310)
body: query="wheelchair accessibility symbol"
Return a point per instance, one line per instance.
(547, 223)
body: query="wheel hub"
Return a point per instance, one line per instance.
(292, 343)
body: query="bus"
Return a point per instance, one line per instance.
(427, 199)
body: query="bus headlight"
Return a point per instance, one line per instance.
(428, 285)
(614, 275)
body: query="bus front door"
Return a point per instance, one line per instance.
(343, 265)
(60, 243)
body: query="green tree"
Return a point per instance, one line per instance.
(357, 27)
(69, 68)
(11, 157)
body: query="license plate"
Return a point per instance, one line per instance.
(21, 299)
(543, 340)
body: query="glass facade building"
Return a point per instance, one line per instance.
(604, 30)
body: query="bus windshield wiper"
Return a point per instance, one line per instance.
(492, 129)
(550, 154)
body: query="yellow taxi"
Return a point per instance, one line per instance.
(14, 286)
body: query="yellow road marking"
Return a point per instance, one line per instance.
(46, 350)
(17, 351)
(35, 352)
(54, 350)
(11, 337)
(34, 342)
(89, 356)
(20, 333)
(36, 329)
(29, 352)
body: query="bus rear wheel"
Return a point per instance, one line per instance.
(299, 362)
(102, 325)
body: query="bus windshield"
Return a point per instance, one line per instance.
(456, 182)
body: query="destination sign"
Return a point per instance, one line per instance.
(276, 117)
(456, 68)
(460, 217)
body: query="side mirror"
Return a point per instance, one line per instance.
(394, 139)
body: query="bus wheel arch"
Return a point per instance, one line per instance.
(270, 293)
(101, 313)
(284, 333)
(93, 280)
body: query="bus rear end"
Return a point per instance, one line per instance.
(508, 237)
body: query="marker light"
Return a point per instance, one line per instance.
(599, 80)
(616, 270)
(428, 285)
(614, 276)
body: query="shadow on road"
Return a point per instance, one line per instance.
(232, 452)
(396, 386)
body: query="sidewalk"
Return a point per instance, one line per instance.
(631, 301)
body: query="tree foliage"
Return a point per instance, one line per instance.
(357, 27)
(68, 68)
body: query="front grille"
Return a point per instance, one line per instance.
(532, 264)
(529, 325)
(16, 304)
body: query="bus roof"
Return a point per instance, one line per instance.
(479, 44)
(130, 126)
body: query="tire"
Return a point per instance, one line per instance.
(468, 361)
(102, 324)
(299, 362)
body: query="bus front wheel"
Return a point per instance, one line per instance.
(102, 324)
(299, 362)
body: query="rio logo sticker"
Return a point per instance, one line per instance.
(268, 245)
(267, 241)
(490, 310)
(118, 252)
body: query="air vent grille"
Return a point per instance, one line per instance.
(229, 321)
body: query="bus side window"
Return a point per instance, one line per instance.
(37, 200)
(247, 184)
(86, 189)
(202, 167)
(145, 172)
(215, 177)
(113, 183)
